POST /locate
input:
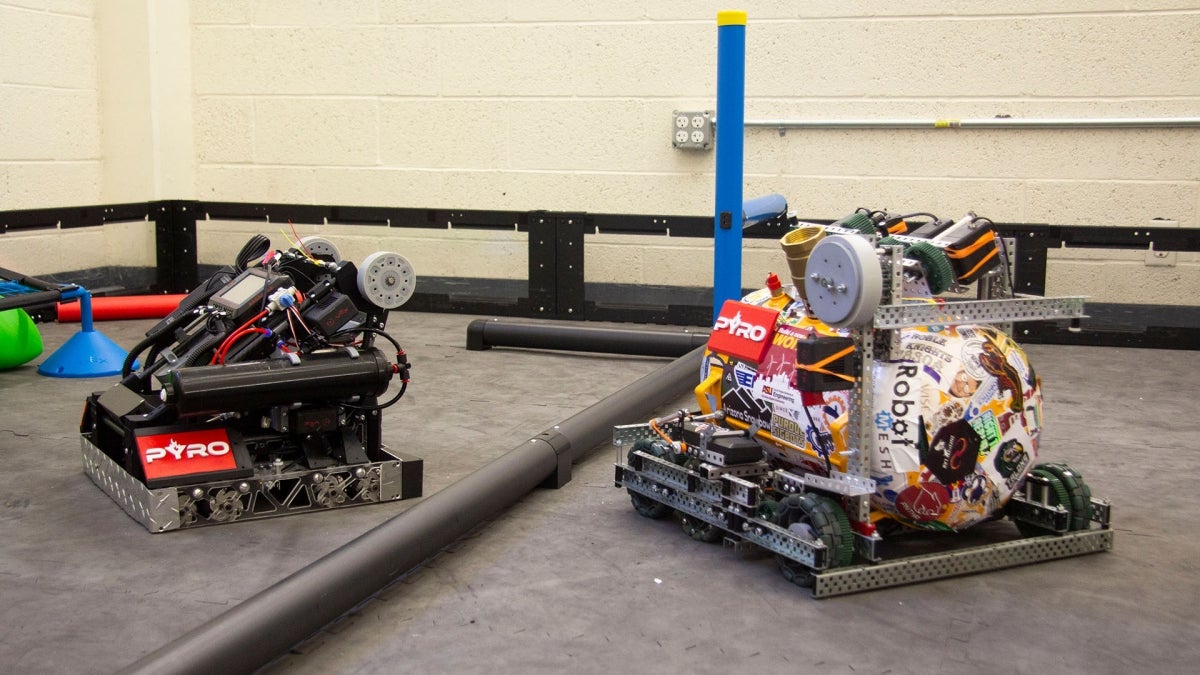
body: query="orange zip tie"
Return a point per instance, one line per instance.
(964, 252)
(979, 264)
(819, 366)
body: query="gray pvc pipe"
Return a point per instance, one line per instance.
(488, 333)
(269, 623)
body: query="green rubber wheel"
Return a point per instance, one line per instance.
(645, 506)
(890, 241)
(816, 517)
(1079, 495)
(938, 272)
(1058, 496)
(858, 221)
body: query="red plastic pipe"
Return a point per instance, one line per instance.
(122, 307)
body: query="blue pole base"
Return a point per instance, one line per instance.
(86, 354)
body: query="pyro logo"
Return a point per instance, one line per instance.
(182, 452)
(743, 331)
(177, 451)
(738, 327)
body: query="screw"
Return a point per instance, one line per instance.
(197, 493)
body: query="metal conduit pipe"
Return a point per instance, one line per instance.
(487, 333)
(268, 624)
(985, 123)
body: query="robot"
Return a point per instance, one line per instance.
(873, 395)
(260, 395)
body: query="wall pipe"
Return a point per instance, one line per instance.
(487, 333)
(268, 624)
(984, 123)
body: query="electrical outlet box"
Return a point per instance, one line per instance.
(692, 130)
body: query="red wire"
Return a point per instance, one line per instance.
(219, 355)
(298, 242)
(237, 336)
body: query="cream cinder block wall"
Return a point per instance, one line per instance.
(566, 105)
(82, 114)
(49, 105)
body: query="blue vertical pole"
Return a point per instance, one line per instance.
(731, 118)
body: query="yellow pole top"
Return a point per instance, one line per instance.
(731, 17)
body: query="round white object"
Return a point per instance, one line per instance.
(843, 281)
(318, 246)
(386, 279)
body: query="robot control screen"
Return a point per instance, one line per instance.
(241, 291)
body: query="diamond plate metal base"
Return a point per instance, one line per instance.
(920, 568)
(271, 492)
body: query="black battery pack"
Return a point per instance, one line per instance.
(736, 449)
(974, 254)
(825, 363)
(331, 313)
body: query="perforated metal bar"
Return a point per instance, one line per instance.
(841, 483)
(957, 563)
(628, 434)
(970, 311)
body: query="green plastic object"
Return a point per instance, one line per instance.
(938, 272)
(858, 221)
(20, 341)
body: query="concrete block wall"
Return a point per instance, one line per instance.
(74, 131)
(565, 105)
(50, 136)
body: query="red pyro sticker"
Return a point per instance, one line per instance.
(181, 453)
(743, 331)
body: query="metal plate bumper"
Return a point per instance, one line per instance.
(269, 493)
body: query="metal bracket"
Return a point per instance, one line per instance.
(556, 265)
(175, 242)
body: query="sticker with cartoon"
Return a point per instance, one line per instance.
(956, 420)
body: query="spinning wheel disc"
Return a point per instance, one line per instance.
(387, 279)
(843, 281)
(320, 247)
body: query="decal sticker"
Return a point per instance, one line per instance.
(743, 331)
(952, 453)
(923, 502)
(1011, 461)
(744, 375)
(181, 453)
(988, 429)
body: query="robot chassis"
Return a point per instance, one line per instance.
(260, 395)
(724, 489)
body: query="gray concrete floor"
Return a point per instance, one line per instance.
(573, 579)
